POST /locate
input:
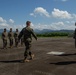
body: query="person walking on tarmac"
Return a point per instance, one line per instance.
(4, 38)
(11, 36)
(27, 32)
(16, 34)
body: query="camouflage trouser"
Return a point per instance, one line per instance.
(4, 43)
(11, 42)
(22, 41)
(27, 50)
(16, 42)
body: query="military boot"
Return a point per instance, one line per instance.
(32, 57)
(26, 60)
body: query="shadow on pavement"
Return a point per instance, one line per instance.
(64, 63)
(12, 61)
(66, 54)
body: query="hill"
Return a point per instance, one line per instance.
(48, 31)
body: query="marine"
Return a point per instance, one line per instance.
(27, 33)
(16, 34)
(11, 37)
(4, 38)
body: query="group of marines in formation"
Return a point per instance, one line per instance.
(25, 35)
(11, 36)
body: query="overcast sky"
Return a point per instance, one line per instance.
(44, 14)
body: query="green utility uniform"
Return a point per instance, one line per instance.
(4, 38)
(16, 34)
(75, 37)
(11, 36)
(22, 41)
(27, 32)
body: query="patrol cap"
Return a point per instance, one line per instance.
(10, 28)
(4, 28)
(28, 22)
(16, 29)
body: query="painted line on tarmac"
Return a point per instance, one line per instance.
(55, 53)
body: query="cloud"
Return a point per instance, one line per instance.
(56, 13)
(61, 14)
(41, 11)
(64, 0)
(63, 24)
(55, 26)
(61, 0)
(4, 24)
(32, 14)
(11, 21)
(2, 20)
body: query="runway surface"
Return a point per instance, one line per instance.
(43, 63)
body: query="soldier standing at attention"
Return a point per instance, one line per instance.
(11, 36)
(16, 34)
(27, 32)
(4, 38)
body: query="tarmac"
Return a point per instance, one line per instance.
(43, 63)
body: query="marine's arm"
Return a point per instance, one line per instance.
(34, 35)
(20, 34)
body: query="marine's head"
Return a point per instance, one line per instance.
(16, 30)
(4, 29)
(28, 23)
(10, 29)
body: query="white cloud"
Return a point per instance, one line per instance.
(61, 14)
(67, 21)
(41, 11)
(55, 26)
(58, 23)
(4, 24)
(11, 21)
(64, 0)
(66, 24)
(61, 0)
(2, 20)
(32, 14)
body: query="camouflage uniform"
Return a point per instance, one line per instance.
(75, 37)
(4, 38)
(22, 41)
(27, 32)
(16, 34)
(11, 36)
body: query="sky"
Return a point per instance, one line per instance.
(43, 14)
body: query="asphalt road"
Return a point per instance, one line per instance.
(43, 63)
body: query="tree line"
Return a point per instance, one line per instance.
(55, 34)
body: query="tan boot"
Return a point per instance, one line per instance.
(26, 60)
(32, 57)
